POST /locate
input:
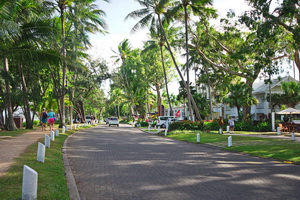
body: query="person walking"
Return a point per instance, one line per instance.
(43, 119)
(51, 119)
(231, 124)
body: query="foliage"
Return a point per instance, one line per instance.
(214, 125)
(142, 124)
(187, 125)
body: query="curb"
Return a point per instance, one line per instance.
(73, 191)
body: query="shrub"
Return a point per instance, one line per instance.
(243, 126)
(213, 125)
(143, 124)
(186, 125)
(263, 127)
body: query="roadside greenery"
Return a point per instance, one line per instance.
(283, 150)
(52, 183)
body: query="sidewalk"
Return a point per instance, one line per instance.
(13, 147)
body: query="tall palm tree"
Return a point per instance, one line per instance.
(151, 15)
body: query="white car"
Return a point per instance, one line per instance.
(113, 121)
(163, 119)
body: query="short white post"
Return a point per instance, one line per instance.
(63, 129)
(66, 128)
(166, 130)
(149, 127)
(293, 136)
(198, 138)
(29, 185)
(229, 141)
(71, 127)
(227, 129)
(47, 141)
(41, 152)
(75, 126)
(220, 131)
(278, 131)
(57, 133)
(52, 135)
(158, 129)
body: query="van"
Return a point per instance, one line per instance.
(163, 119)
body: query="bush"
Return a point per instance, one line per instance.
(263, 127)
(142, 124)
(186, 125)
(243, 126)
(214, 125)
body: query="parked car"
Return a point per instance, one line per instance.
(88, 119)
(113, 121)
(163, 119)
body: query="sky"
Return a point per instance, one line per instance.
(119, 29)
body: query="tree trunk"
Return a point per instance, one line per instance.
(158, 99)
(25, 99)
(166, 80)
(247, 109)
(10, 124)
(209, 95)
(178, 70)
(187, 64)
(297, 60)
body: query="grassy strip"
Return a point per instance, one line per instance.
(283, 150)
(52, 183)
(16, 133)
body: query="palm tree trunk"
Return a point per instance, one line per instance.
(158, 99)
(187, 63)
(178, 70)
(209, 95)
(166, 80)
(25, 99)
(11, 126)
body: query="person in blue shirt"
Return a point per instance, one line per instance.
(51, 119)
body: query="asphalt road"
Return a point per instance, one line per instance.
(125, 163)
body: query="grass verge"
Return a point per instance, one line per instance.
(283, 150)
(52, 183)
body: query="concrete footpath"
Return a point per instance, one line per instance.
(125, 163)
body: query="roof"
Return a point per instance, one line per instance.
(263, 88)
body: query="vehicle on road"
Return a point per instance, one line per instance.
(163, 119)
(113, 121)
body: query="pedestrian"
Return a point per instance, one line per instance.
(221, 124)
(43, 119)
(231, 124)
(51, 119)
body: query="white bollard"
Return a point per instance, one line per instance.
(29, 185)
(57, 133)
(166, 130)
(158, 129)
(198, 138)
(52, 135)
(41, 152)
(293, 136)
(71, 127)
(66, 128)
(227, 129)
(220, 131)
(278, 131)
(149, 128)
(63, 129)
(229, 141)
(47, 141)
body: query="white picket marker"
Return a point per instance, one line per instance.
(198, 138)
(71, 127)
(57, 133)
(52, 135)
(47, 141)
(229, 141)
(29, 185)
(149, 127)
(227, 129)
(66, 128)
(158, 129)
(166, 130)
(41, 152)
(63, 129)
(278, 131)
(293, 136)
(220, 131)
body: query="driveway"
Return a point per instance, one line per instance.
(125, 163)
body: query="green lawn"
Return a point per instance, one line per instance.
(283, 150)
(52, 183)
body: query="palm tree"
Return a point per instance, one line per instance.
(152, 15)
